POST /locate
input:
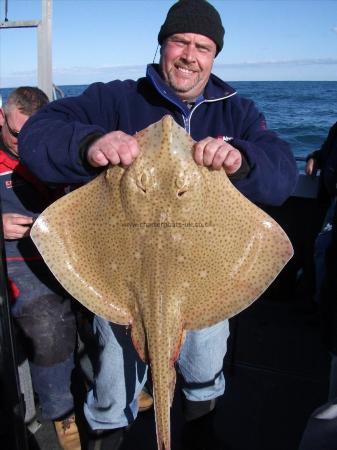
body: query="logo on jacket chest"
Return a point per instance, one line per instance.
(14, 182)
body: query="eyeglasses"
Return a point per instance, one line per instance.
(12, 132)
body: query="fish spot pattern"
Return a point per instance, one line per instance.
(164, 246)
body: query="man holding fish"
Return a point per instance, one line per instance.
(75, 138)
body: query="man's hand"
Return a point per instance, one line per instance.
(16, 226)
(115, 147)
(217, 154)
(311, 167)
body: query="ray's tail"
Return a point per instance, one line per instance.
(162, 359)
(162, 387)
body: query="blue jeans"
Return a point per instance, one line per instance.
(120, 375)
(42, 312)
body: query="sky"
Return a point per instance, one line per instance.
(101, 40)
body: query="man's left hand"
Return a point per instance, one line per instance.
(217, 154)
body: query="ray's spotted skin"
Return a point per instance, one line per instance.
(164, 246)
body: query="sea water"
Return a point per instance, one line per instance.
(301, 112)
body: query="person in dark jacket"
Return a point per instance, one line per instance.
(325, 160)
(75, 138)
(39, 305)
(321, 429)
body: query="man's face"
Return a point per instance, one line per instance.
(11, 123)
(186, 63)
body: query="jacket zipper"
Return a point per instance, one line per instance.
(187, 119)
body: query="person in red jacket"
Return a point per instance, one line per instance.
(40, 307)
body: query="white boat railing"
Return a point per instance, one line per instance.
(44, 43)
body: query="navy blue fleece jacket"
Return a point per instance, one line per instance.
(50, 140)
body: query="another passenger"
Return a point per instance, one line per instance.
(75, 138)
(321, 430)
(40, 307)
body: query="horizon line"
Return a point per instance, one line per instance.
(229, 81)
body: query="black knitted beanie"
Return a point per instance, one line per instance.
(193, 16)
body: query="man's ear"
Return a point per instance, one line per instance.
(2, 117)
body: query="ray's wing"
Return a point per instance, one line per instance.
(237, 255)
(77, 239)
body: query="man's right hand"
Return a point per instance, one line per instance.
(115, 148)
(16, 226)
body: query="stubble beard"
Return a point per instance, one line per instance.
(182, 88)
